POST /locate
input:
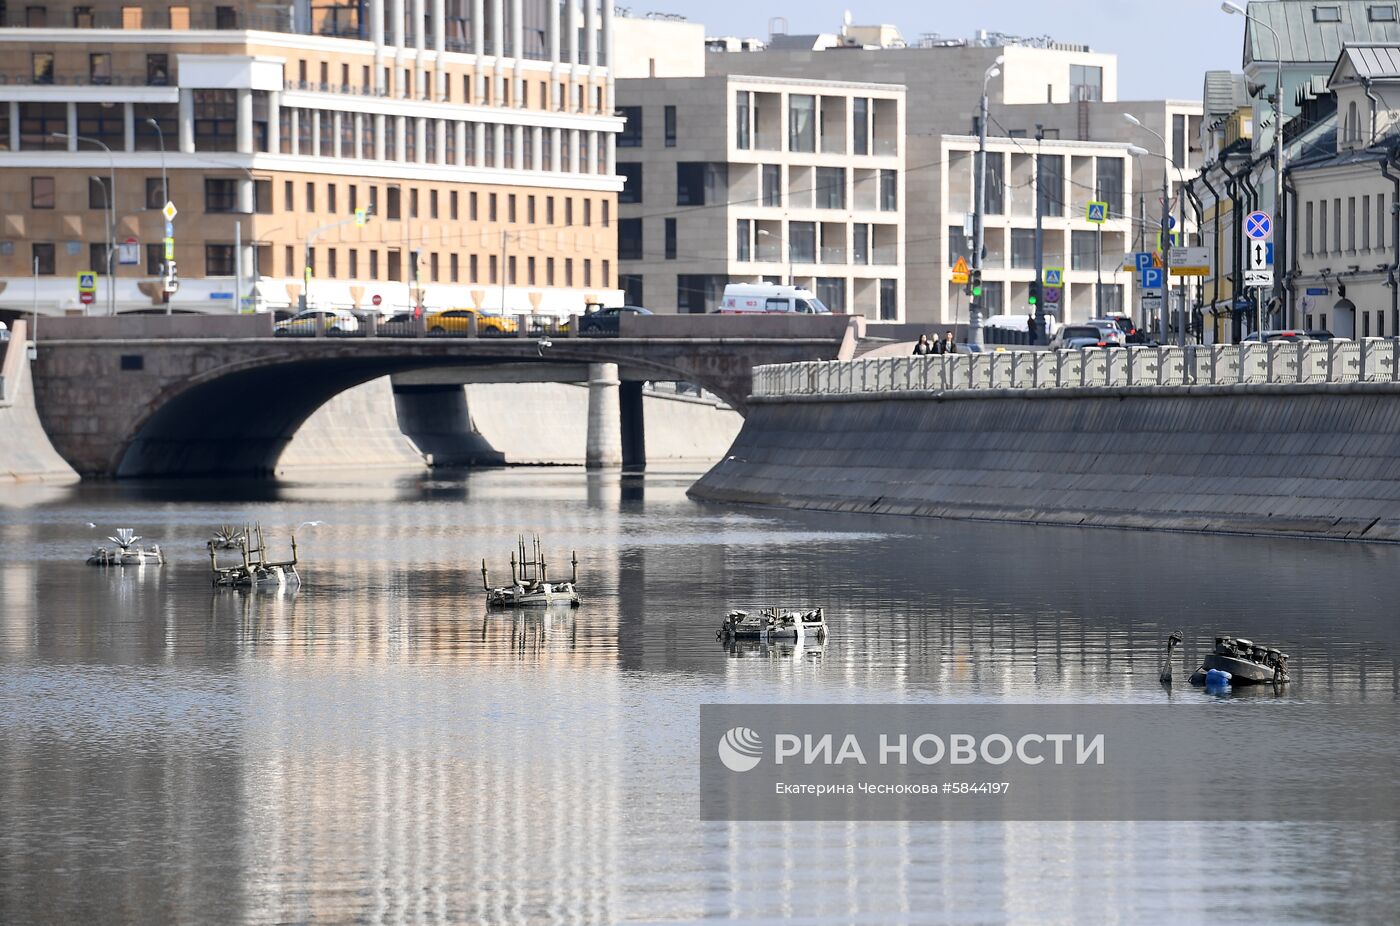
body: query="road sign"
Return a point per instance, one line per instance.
(170, 229)
(1190, 262)
(1258, 278)
(86, 298)
(1054, 276)
(87, 282)
(129, 252)
(1151, 302)
(1259, 226)
(1151, 278)
(1142, 259)
(360, 218)
(960, 271)
(1171, 222)
(1176, 241)
(169, 248)
(1052, 295)
(1259, 255)
(1097, 213)
(170, 212)
(376, 299)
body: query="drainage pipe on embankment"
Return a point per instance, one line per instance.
(1317, 459)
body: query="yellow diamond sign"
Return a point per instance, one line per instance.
(169, 212)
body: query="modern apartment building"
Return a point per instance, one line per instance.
(478, 135)
(1070, 174)
(746, 179)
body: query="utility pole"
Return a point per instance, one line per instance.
(979, 216)
(1039, 230)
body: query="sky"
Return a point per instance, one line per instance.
(1164, 49)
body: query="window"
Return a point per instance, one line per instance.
(992, 297)
(216, 120)
(41, 65)
(393, 200)
(1381, 13)
(743, 236)
(1085, 83)
(97, 256)
(1083, 250)
(355, 263)
(831, 188)
(832, 293)
(43, 262)
(310, 196)
(1352, 129)
(394, 263)
(100, 68)
(155, 193)
(373, 264)
(491, 210)
(432, 204)
(889, 191)
(1322, 227)
(690, 183)
(1380, 220)
(860, 243)
(1337, 224)
(218, 260)
(454, 267)
(1023, 248)
(631, 174)
(1351, 224)
(670, 239)
(631, 134)
(41, 192)
(99, 194)
(889, 300)
(155, 259)
(1052, 184)
(742, 138)
(36, 17)
(802, 122)
(1327, 14)
(860, 112)
(330, 198)
(1111, 295)
(959, 244)
(510, 210)
(1109, 186)
(772, 185)
(587, 211)
(225, 18)
(434, 266)
(632, 289)
(157, 70)
(452, 206)
(413, 203)
(670, 126)
(606, 207)
(802, 242)
(1308, 229)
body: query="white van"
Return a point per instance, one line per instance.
(745, 298)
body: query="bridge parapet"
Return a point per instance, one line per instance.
(1374, 360)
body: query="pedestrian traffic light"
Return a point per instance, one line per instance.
(1033, 295)
(976, 283)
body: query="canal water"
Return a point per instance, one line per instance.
(376, 747)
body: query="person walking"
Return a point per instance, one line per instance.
(924, 346)
(949, 345)
(1030, 329)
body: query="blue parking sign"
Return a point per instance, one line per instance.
(1143, 260)
(1150, 278)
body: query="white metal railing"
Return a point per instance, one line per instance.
(1373, 360)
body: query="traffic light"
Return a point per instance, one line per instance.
(1033, 295)
(976, 283)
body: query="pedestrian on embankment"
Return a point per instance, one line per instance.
(924, 346)
(949, 345)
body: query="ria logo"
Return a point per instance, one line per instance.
(740, 749)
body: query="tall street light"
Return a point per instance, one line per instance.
(112, 211)
(979, 216)
(1236, 9)
(164, 187)
(1166, 242)
(782, 244)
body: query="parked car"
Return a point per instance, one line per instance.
(458, 321)
(1287, 334)
(608, 319)
(1133, 335)
(1322, 334)
(750, 298)
(334, 321)
(1109, 329)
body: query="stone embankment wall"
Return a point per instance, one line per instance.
(25, 450)
(1311, 459)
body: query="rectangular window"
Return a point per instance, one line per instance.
(155, 258)
(310, 196)
(772, 185)
(802, 122)
(670, 239)
(1308, 229)
(155, 193)
(587, 211)
(43, 258)
(1327, 14)
(587, 271)
(432, 204)
(373, 264)
(452, 206)
(1109, 185)
(605, 207)
(802, 242)
(1337, 224)
(742, 137)
(157, 70)
(471, 207)
(631, 134)
(97, 256)
(413, 203)
(1083, 250)
(100, 68)
(41, 67)
(331, 263)
(395, 265)
(354, 263)
(454, 267)
(289, 262)
(1052, 184)
(1085, 83)
(629, 239)
(393, 203)
(1322, 227)
(1351, 224)
(1023, 248)
(831, 188)
(42, 194)
(1382, 13)
(889, 191)
(216, 120)
(434, 267)
(698, 182)
(99, 194)
(530, 210)
(82, 17)
(491, 207)
(860, 112)
(670, 126)
(889, 300)
(568, 271)
(743, 237)
(1179, 139)
(330, 198)
(218, 260)
(1380, 222)
(549, 271)
(959, 244)
(262, 197)
(510, 209)
(860, 243)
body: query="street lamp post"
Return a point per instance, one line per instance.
(1166, 232)
(1236, 9)
(164, 185)
(112, 214)
(979, 216)
(782, 245)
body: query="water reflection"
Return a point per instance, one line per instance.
(376, 745)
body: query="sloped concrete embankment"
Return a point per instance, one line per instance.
(25, 451)
(1313, 461)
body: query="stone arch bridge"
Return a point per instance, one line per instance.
(160, 396)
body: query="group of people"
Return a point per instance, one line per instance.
(927, 346)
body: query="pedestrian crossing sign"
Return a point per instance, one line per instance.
(1097, 212)
(87, 282)
(1054, 276)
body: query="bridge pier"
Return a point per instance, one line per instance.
(631, 408)
(604, 441)
(437, 420)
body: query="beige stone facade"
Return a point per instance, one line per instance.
(485, 148)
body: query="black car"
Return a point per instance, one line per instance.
(607, 320)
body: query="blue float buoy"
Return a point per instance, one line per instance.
(1218, 679)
